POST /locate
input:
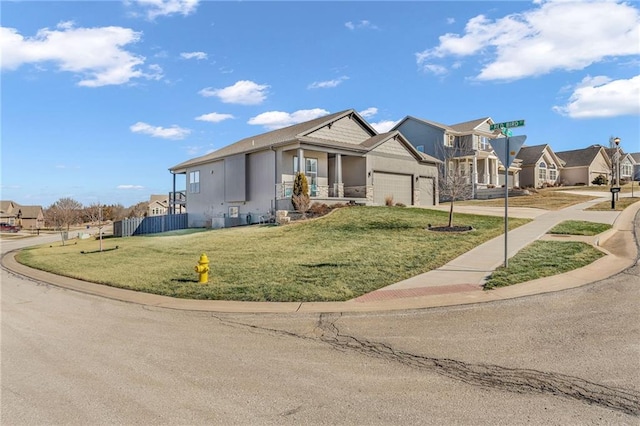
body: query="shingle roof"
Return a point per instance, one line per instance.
(636, 156)
(468, 126)
(530, 154)
(580, 157)
(274, 137)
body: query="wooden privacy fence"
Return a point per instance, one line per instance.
(149, 225)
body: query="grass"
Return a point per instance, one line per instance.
(338, 257)
(547, 199)
(620, 205)
(543, 259)
(579, 227)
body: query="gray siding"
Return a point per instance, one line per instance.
(394, 147)
(235, 178)
(422, 134)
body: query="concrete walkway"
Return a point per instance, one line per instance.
(458, 282)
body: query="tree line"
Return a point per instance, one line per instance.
(67, 212)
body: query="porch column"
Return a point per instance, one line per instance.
(496, 172)
(486, 171)
(338, 187)
(172, 199)
(475, 171)
(301, 167)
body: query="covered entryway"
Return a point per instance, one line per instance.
(395, 185)
(426, 191)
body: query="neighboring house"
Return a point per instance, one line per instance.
(621, 162)
(27, 217)
(635, 156)
(468, 144)
(344, 159)
(159, 206)
(540, 166)
(582, 166)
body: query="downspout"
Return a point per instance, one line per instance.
(275, 178)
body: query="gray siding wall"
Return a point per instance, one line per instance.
(255, 172)
(235, 175)
(354, 171)
(393, 147)
(422, 134)
(211, 193)
(343, 130)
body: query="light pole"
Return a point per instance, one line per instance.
(616, 169)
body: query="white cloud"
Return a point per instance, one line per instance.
(277, 119)
(369, 112)
(214, 117)
(173, 132)
(598, 97)
(127, 187)
(555, 35)
(155, 8)
(243, 92)
(383, 126)
(193, 55)
(364, 24)
(96, 54)
(327, 84)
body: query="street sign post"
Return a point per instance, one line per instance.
(506, 149)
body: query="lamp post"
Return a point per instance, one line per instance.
(616, 169)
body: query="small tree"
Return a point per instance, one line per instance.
(94, 214)
(453, 182)
(62, 214)
(300, 198)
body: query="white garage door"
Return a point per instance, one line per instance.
(388, 184)
(426, 191)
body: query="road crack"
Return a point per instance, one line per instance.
(489, 376)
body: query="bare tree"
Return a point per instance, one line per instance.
(62, 214)
(454, 181)
(139, 210)
(94, 214)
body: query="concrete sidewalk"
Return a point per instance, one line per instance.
(458, 282)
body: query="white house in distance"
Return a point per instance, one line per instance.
(343, 157)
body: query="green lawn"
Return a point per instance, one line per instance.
(579, 227)
(543, 259)
(338, 257)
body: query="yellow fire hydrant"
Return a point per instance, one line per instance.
(202, 268)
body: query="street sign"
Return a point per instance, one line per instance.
(500, 147)
(506, 125)
(507, 132)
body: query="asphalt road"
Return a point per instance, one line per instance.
(565, 358)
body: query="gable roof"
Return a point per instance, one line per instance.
(31, 212)
(635, 156)
(469, 126)
(6, 206)
(529, 155)
(459, 129)
(582, 157)
(377, 140)
(280, 136)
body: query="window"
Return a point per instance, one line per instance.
(194, 182)
(553, 173)
(311, 172)
(542, 171)
(448, 140)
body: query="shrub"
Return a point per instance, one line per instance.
(599, 180)
(300, 198)
(400, 205)
(388, 200)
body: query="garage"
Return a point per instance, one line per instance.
(391, 184)
(427, 187)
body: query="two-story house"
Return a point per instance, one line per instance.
(466, 146)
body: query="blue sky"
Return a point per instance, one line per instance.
(99, 99)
